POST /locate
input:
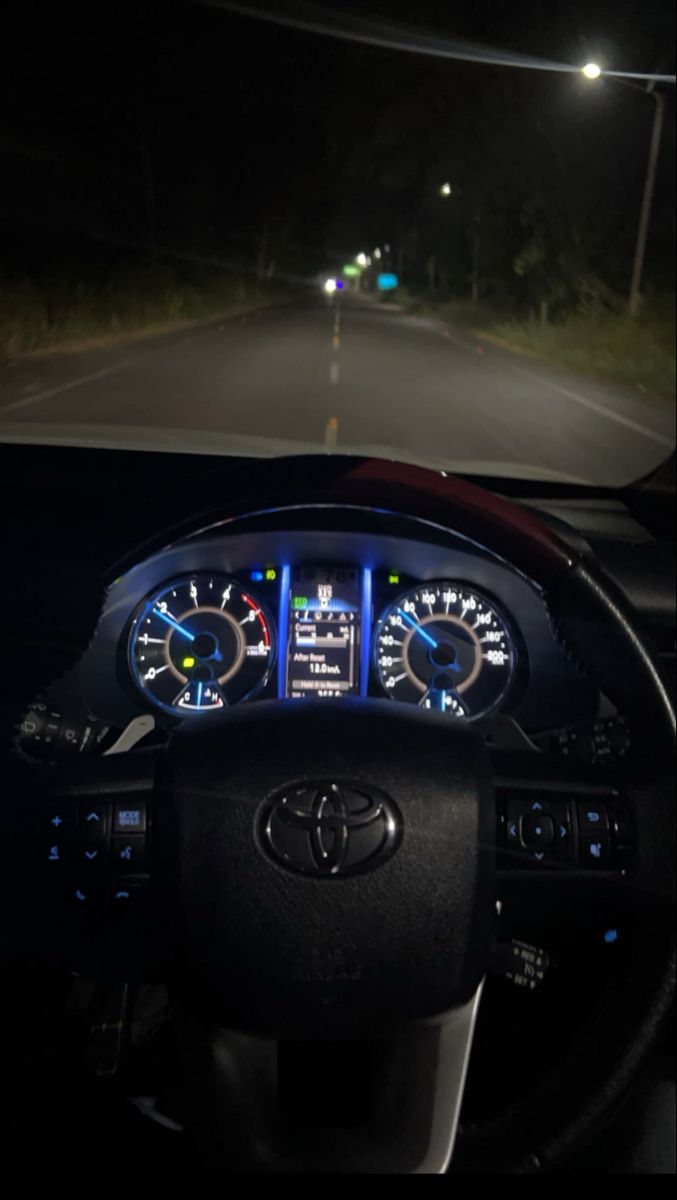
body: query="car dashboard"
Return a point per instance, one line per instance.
(321, 602)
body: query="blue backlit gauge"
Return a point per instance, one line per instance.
(445, 647)
(201, 643)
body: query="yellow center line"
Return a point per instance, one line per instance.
(331, 433)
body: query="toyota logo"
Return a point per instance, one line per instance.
(330, 829)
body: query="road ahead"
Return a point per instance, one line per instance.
(357, 375)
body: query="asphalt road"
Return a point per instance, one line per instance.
(349, 376)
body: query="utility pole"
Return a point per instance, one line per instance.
(647, 199)
(475, 272)
(149, 195)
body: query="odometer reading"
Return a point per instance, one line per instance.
(201, 643)
(445, 646)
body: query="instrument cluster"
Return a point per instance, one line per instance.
(208, 640)
(339, 606)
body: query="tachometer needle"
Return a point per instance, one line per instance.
(174, 624)
(417, 628)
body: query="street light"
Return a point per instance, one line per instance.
(361, 259)
(592, 71)
(445, 189)
(647, 197)
(377, 252)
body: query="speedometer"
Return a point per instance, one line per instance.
(201, 643)
(445, 646)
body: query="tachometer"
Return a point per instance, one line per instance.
(445, 646)
(201, 643)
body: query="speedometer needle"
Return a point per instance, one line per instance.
(417, 628)
(174, 624)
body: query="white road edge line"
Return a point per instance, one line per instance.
(64, 387)
(598, 408)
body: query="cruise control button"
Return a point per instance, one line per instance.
(129, 855)
(592, 816)
(594, 851)
(538, 830)
(129, 817)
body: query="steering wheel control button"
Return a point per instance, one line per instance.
(538, 830)
(127, 894)
(543, 830)
(94, 822)
(128, 855)
(58, 822)
(622, 836)
(55, 857)
(512, 831)
(330, 829)
(129, 817)
(594, 850)
(84, 895)
(592, 817)
(91, 858)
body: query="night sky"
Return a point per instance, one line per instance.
(195, 128)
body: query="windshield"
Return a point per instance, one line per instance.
(443, 235)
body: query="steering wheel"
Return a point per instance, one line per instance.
(324, 882)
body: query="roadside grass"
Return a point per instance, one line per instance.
(135, 301)
(638, 353)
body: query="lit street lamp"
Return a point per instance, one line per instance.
(592, 71)
(361, 259)
(445, 189)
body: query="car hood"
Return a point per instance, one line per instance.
(194, 441)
